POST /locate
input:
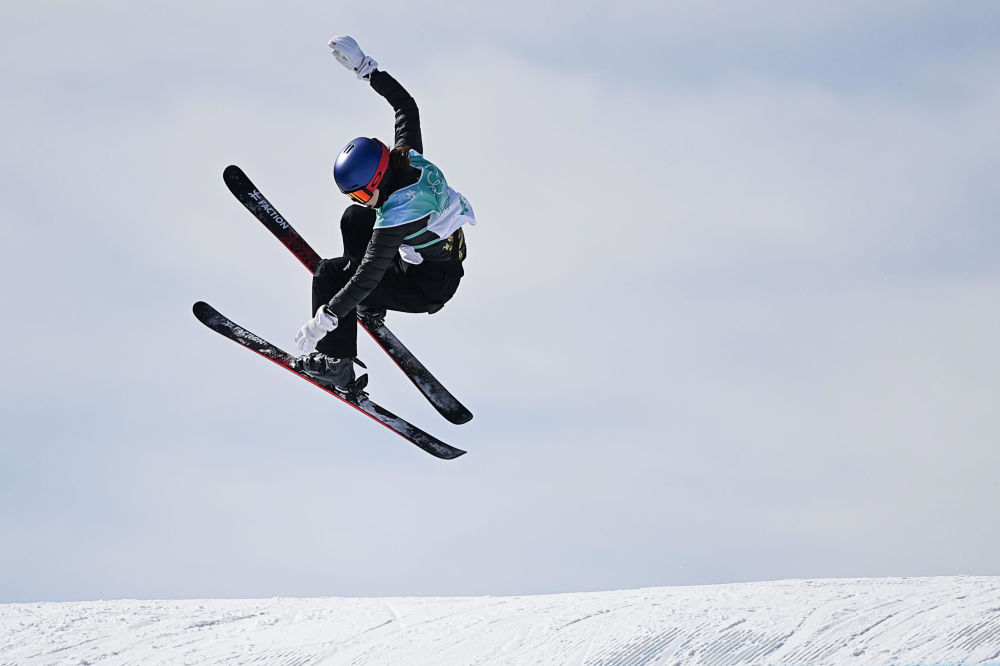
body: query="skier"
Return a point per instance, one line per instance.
(403, 239)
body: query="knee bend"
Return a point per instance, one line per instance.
(332, 271)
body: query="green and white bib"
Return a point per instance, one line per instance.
(431, 197)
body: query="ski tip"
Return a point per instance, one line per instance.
(202, 310)
(232, 173)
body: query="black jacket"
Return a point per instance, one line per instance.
(383, 248)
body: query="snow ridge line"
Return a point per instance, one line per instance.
(874, 621)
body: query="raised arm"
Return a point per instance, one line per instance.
(385, 242)
(349, 54)
(407, 114)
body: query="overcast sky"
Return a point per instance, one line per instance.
(730, 312)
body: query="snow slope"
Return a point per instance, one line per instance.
(875, 621)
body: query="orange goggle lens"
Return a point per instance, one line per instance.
(361, 196)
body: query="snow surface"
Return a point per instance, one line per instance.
(850, 621)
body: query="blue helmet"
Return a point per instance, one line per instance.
(360, 168)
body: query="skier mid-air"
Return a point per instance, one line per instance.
(403, 239)
(403, 251)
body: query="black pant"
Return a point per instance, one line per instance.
(424, 287)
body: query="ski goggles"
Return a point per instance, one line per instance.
(364, 194)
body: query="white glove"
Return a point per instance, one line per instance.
(314, 330)
(349, 54)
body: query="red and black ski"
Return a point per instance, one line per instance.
(428, 385)
(211, 317)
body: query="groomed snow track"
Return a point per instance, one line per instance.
(868, 621)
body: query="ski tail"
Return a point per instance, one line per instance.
(439, 397)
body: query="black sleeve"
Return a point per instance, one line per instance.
(407, 115)
(379, 255)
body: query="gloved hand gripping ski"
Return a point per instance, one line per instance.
(349, 54)
(314, 330)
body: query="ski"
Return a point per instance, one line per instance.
(248, 195)
(211, 317)
(432, 389)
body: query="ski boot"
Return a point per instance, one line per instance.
(333, 373)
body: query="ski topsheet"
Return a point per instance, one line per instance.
(248, 194)
(211, 317)
(437, 395)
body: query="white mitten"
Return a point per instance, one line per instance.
(349, 54)
(314, 330)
